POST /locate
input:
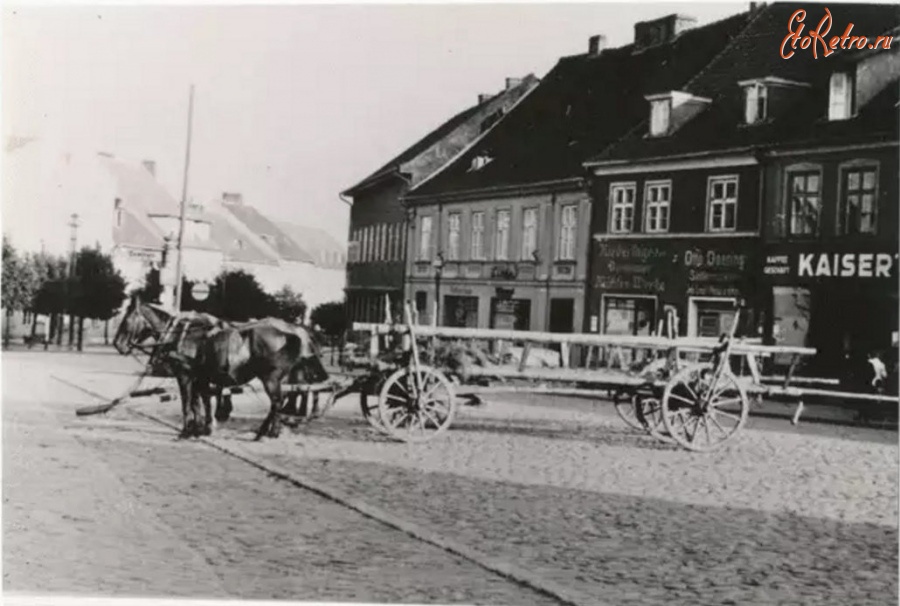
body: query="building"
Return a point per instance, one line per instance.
(502, 233)
(329, 258)
(692, 210)
(378, 220)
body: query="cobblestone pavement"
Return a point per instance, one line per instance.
(776, 517)
(116, 505)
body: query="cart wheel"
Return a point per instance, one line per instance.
(413, 416)
(626, 407)
(648, 410)
(695, 423)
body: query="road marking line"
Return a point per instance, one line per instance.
(509, 571)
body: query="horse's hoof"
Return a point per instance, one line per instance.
(204, 431)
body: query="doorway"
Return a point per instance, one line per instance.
(562, 315)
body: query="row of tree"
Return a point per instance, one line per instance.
(43, 284)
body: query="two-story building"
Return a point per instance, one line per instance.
(749, 148)
(501, 235)
(378, 219)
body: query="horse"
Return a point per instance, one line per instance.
(205, 353)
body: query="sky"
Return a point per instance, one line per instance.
(293, 103)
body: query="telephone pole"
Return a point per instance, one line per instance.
(184, 187)
(73, 244)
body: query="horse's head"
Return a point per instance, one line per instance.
(140, 323)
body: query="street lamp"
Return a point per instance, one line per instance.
(438, 265)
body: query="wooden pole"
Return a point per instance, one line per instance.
(184, 187)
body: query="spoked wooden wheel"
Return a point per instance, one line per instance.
(417, 413)
(626, 408)
(701, 416)
(648, 412)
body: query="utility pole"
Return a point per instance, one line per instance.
(180, 244)
(73, 244)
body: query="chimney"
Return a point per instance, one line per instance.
(596, 44)
(233, 198)
(150, 165)
(511, 83)
(483, 97)
(661, 31)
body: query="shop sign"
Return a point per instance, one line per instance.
(832, 265)
(460, 290)
(654, 268)
(504, 272)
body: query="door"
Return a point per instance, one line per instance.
(562, 315)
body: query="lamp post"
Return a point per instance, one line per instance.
(438, 265)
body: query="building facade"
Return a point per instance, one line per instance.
(379, 227)
(502, 235)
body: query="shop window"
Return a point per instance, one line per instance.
(805, 199)
(461, 312)
(628, 315)
(657, 200)
(621, 197)
(858, 200)
(567, 233)
(722, 208)
(791, 310)
(453, 221)
(510, 314)
(710, 317)
(478, 235)
(529, 233)
(501, 241)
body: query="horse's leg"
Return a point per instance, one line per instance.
(272, 385)
(206, 397)
(291, 406)
(185, 393)
(224, 407)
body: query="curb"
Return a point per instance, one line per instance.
(509, 571)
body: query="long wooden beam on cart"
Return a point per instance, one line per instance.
(637, 342)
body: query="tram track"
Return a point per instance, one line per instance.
(520, 576)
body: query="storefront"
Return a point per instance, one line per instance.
(842, 300)
(702, 281)
(510, 314)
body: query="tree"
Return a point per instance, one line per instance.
(234, 296)
(152, 288)
(19, 284)
(289, 305)
(96, 290)
(331, 318)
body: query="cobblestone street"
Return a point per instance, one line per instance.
(780, 516)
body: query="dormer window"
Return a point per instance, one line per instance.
(671, 110)
(659, 117)
(756, 103)
(840, 98)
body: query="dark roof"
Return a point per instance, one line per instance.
(136, 187)
(268, 231)
(435, 137)
(756, 53)
(582, 105)
(234, 244)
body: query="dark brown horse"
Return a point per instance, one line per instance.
(205, 354)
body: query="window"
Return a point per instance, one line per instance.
(453, 237)
(384, 242)
(529, 233)
(657, 197)
(722, 209)
(622, 207)
(858, 210)
(376, 242)
(501, 241)
(659, 117)
(840, 98)
(425, 239)
(756, 102)
(805, 199)
(478, 235)
(567, 226)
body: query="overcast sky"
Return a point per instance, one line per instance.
(293, 103)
